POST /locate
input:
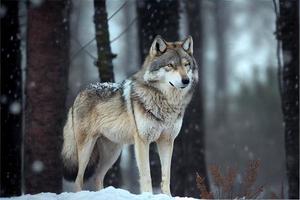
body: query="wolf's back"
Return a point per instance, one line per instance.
(69, 152)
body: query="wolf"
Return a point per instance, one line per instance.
(147, 107)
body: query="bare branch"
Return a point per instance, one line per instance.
(113, 40)
(124, 31)
(121, 7)
(82, 48)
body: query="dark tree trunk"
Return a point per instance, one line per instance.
(221, 64)
(156, 18)
(46, 89)
(11, 101)
(288, 33)
(192, 134)
(106, 74)
(105, 56)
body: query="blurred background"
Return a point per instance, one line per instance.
(245, 107)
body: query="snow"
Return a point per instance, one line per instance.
(109, 193)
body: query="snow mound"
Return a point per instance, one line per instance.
(109, 193)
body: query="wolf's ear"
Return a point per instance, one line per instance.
(158, 46)
(187, 45)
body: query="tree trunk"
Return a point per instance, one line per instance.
(192, 134)
(156, 18)
(221, 65)
(288, 33)
(46, 89)
(105, 68)
(11, 100)
(105, 56)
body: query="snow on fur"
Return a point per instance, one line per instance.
(109, 193)
(104, 86)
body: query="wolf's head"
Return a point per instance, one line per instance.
(170, 64)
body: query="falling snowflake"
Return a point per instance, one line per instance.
(36, 3)
(15, 108)
(3, 99)
(37, 166)
(2, 11)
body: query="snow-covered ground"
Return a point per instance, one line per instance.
(109, 193)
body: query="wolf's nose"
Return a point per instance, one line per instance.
(185, 81)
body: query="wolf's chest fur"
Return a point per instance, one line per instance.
(156, 112)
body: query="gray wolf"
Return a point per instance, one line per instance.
(147, 107)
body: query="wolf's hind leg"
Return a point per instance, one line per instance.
(84, 154)
(108, 155)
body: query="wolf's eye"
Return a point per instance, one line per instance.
(168, 67)
(187, 64)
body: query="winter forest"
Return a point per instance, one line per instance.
(240, 132)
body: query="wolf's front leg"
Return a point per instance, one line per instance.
(165, 150)
(142, 158)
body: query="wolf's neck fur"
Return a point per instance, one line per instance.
(164, 105)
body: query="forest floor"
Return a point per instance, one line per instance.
(109, 193)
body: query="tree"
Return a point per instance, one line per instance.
(11, 100)
(106, 74)
(221, 64)
(193, 126)
(104, 62)
(288, 34)
(46, 89)
(156, 18)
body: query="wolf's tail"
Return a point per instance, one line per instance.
(69, 153)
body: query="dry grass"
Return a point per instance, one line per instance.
(249, 180)
(225, 184)
(281, 195)
(202, 187)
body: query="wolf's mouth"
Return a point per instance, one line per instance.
(171, 84)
